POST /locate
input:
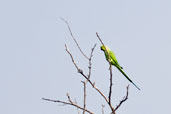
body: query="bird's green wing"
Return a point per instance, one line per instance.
(114, 60)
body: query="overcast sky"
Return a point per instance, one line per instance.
(34, 63)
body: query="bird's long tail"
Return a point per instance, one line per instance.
(128, 78)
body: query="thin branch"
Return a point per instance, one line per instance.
(89, 74)
(110, 87)
(90, 58)
(74, 38)
(69, 99)
(69, 103)
(93, 85)
(66, 48)
(84, 83)
(124, 99)
(110, 68)
(100, 39)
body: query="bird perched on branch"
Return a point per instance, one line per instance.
(110, 57)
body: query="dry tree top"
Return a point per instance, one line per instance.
(88, 80)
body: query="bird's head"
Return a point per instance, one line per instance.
(103, 48)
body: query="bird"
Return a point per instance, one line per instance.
(110, 57)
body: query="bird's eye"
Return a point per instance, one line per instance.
(101, 48)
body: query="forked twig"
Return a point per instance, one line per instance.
(90, 58)
(81, 72)
(89, 74)
(124, 99)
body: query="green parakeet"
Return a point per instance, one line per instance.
(114, 62)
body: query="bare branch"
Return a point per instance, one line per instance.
(85, 94)
(110, 68)
(110, 87)
(124, 99)
(74, 38)
(91, 83)
(90, 58)
(69, 103)
(89, 74)
(66, 48)
(100, 39)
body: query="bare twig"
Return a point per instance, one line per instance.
(74, 38)
(110, 87)
(66, 48)
(69, 99)
(69, 103)
(124, 99)
(89, 74)
(103, 108)
(90, 58)
(85, 94)
(100, 39)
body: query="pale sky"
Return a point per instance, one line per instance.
(34, 63)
